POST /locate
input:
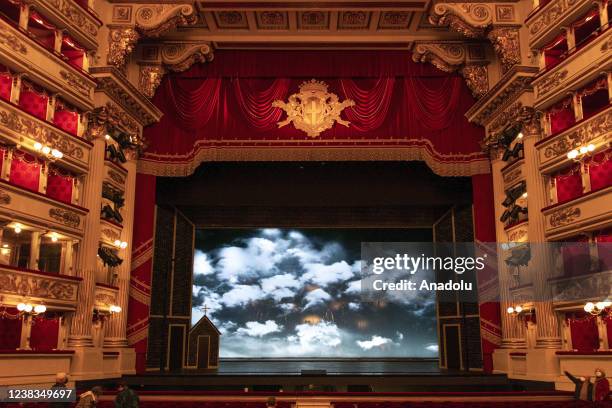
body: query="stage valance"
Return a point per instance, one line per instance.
(222, 111)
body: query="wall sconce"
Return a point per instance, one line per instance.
(17, 228)
(30, 309)
(597, 308)
(114, 309)
(516, 310)
(120, 244)
(48, 152)
(579, 153)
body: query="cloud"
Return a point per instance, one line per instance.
(324, 275)
(256, 329)
(353, 287)
(312, 336)
(241, 295)
(314, 297)
(354, 306)
(285, 280)
(201, 264)
(432, 347)
(400, 336)
(376, 341)
(226, 327)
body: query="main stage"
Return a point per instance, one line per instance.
(327, 375)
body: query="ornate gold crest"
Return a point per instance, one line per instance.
(313, 110)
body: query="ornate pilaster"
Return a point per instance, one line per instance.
(468, 59)
(116, 327)
(81, 322)
(157, 59)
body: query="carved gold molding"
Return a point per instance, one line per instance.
(564, 216)
(76, 15)
(467, 59)
(23, 284)
(122, 41)
(152, 20)
(524, 116)
(66, 217)
(110, 115)
(157, 59)
(10, 40)
(495, 21)
(76, 82)
(547, 17)
(550, 82)
(5, 197)
(582, 135)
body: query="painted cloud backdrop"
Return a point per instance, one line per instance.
(296, 293)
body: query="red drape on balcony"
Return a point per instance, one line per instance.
(555, 52)
(576, 256)
(25, 170)
(42, 30)
(568, 183)
(604, 249)
(33, 100)
(561, 116)
(72, 51)
(60, 184)
(44, 333)
(6, 83)
(599, 168)
(66, 118)
(594, 97)
(586, 28)
(10, 329)
(583, 328)
(223, 111)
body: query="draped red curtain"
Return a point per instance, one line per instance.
(6, 83)
(10, 329)
(60, 184)
(33, 100)
(44, 334)
(561, 116)
(25, 170)
(568, 183)
(583, 328)
(599, 168)
(223, 111)
(66, 118)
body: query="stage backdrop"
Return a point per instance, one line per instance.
(222, 111)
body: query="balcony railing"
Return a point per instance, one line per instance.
(588, 212)
(115, 174)
(82, 24)
(105, 297)
(37, 209)
(16, 124)
(54, 290)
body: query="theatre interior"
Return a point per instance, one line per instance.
(187, 189)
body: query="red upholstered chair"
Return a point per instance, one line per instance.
(33, 101)
(583, 329)
(599, 168)
(568, 184)
(10, 330)
(25, 171)
(59, 185)
(44, 334)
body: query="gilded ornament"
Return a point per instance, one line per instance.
(313, 110)
(76, 82)
(66, 217)
(76, 15)
(582, 135)
(22, 284)
(121, 43)
(150, 78)
(507, 45)
(154, 20)
(564, 216)
(5, 198)
(116, 177)
(476, 78)
(550, 82)
(10, 40)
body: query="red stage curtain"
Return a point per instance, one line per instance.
(576, 256)
(25, 170)
(59, 184)
(33, 100)
(225, 106)
(604, 250)
(568, 183)
(561, 116)
(6, 83)
(44, 333)
(66, 118)
(599, 168)
(583, 328)
(10, 329)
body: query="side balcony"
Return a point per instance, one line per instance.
(577, 70)
(81, 23)
(588, 212)
(22, 54)
(38, 209)
(22, 128)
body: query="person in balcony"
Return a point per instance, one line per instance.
(587, 389)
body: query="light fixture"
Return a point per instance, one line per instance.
(54, 237)
(107, 136)
(520, 135)
(524, 195)
(516, 310)
(17, 228)
(120, 244)
(597, 308)
(114, 309)
(50, 153)
(580, 152)
(30, 309)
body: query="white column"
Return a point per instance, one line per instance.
(81, 322)
(117, 325)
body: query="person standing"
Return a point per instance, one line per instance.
(126, 398)
(587, 390)
(61, 379)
